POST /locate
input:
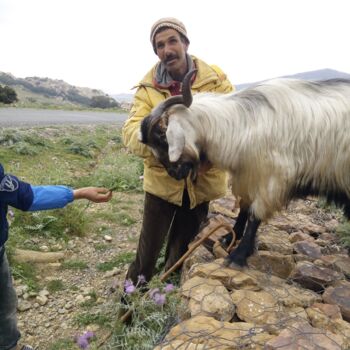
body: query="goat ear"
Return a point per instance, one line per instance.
(176, 139)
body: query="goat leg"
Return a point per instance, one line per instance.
(246, 246)
(238, 228)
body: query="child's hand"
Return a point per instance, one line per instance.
(94, 194)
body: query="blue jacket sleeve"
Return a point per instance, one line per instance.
(14, 192)
(50, 197)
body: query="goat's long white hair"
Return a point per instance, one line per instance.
(276, 139)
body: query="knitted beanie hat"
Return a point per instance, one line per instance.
(167, 22)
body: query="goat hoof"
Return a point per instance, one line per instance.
(236, 263)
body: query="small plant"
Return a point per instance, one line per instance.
(343, 231)
(26, 273)
(86, 318)
(75, 265)
(153, 313)
(81, 149)
(55, 286)
(59, 223)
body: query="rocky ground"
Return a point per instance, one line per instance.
(297, 283)
(51, 319)
(295, 294)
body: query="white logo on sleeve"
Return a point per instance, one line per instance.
(9, 184)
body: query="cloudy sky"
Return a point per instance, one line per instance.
(104, 44)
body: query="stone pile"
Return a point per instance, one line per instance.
(294, 294)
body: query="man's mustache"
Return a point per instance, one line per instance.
(171, 57)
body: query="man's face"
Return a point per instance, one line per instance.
(171, 50)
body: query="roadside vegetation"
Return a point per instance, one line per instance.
(77, 157)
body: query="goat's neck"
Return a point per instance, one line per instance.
(215, 135)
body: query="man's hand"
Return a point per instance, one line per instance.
(94, 194)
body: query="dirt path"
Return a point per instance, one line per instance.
(51, 319)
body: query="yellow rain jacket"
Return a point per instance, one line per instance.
(209, 186)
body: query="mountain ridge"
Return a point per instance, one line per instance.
(47, 91)
(319, 74)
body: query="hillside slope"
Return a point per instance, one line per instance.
(46, 91)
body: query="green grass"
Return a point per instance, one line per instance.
(102, 247)
(99, 318)
(119, 260)
(76, 157)
(27, 273)
(74, 265)
(63, 344)
(124, 219)
(55, 286)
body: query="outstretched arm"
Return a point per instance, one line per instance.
(94, 194)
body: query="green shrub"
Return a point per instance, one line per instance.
(26, 273)
(343, 231)
(58, 223)
(55, 286)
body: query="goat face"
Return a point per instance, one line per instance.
(153, 133)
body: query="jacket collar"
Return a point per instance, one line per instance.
(162, 79)
(204, 75)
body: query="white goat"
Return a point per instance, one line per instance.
(280, 140)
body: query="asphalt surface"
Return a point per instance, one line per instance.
(18, 117)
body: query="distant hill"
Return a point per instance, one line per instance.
(321, 74)
(44, 92)
(51, 92)
(123, 97)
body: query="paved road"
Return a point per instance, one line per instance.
(18, 117)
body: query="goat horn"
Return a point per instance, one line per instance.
(185, 98)
(173, 100)
(186, 88)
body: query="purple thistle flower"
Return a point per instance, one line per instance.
(128, 283)
(159, 299)
(130, 289)
(88, 334)
(168, 288)
(82, 342)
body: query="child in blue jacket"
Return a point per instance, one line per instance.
(24, 196)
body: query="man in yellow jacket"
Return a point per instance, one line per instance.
(171, 207)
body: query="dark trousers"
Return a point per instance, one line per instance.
(9, 333)
(157, 218)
